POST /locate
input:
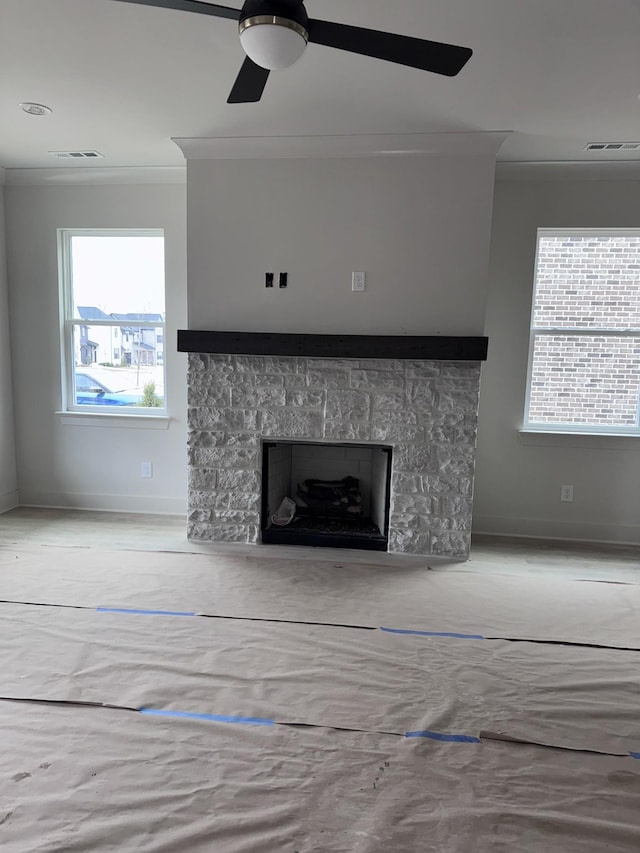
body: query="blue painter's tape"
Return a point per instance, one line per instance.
(434, 633)
(216, 718)
(635, 755)
(142, 612)
(444, 737)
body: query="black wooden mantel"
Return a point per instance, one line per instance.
(431, 347)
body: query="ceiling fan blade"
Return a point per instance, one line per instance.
(447, 59)
(191, 6)
(249, 84)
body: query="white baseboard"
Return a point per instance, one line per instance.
(8, 501)
(144, 504)
(569, 531)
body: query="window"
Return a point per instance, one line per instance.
(584, 356)
(112, 309)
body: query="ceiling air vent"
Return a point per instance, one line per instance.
(612, 146)
(76, 155)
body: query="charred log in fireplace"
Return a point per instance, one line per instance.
(330, 498)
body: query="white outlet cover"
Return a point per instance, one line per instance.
(358, 281)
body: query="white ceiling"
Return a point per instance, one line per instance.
(125, 79)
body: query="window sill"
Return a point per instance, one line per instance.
(95, 419)
(585, 440)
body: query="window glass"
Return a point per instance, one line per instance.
(587, 282)
(113, 320)
(584, 364)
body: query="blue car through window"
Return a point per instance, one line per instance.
(91, 392)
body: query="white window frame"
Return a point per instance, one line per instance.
(534, 332)
(87, 413)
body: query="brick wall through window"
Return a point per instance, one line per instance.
(585, 367)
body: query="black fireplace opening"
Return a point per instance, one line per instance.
(327, 495)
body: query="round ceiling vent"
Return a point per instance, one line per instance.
(35, 109)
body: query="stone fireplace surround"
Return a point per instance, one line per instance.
(425, 408)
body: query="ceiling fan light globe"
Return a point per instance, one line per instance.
(273, 42)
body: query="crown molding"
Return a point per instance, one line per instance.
(569, 170)
(71, 176)
(356, 145)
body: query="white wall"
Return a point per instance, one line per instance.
(87, 466)
(418, 226)
(518, 478)
(8, 477)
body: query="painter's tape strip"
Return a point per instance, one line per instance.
(434, 633)
(445, 738)
(215, 718)
(131, 612)
(635, 755)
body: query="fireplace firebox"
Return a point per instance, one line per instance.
(326, 494)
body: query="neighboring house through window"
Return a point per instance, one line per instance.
(112, 314)
(584, 357)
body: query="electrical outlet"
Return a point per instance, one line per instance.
(358, 282)
(146, 471)
(566, 493)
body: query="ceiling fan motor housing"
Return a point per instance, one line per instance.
(291, 10)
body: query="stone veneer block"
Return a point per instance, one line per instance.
(426, 410)
(348, 406)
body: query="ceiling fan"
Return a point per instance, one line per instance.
(274, 34)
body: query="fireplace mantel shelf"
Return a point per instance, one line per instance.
(429, 347)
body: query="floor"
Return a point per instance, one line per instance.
(494, 554)
(162, 696)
